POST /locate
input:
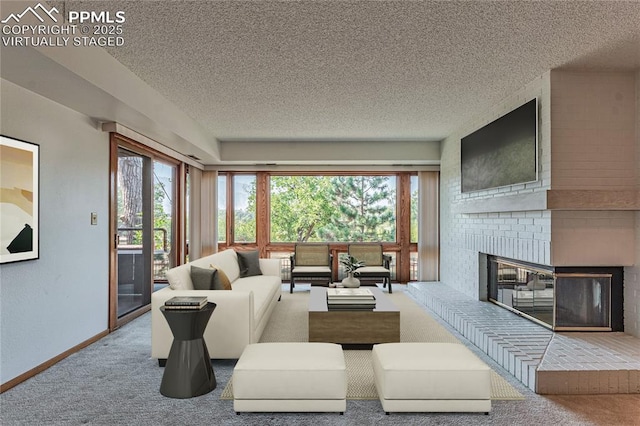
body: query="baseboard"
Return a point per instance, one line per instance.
(45, 365)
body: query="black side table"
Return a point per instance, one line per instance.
(188, 371)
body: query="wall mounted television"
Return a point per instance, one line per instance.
(502, 153)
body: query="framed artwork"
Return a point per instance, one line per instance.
(19, 200)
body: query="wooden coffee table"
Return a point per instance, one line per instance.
(381, 325)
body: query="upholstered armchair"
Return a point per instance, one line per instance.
(311, 262)
(377, 264)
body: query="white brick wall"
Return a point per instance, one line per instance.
(528, 235)
(519, 235)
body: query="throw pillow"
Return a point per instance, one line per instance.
(249, 262)
(222, 278)
(203, 278)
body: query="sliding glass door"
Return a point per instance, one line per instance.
(164, 206)
(134, 238)
(145, 222)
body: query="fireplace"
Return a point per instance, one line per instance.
(560, 298)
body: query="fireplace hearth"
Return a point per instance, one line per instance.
(560, 298)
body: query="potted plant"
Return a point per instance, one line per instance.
(351, 264)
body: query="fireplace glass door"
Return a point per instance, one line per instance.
(583, 301)
(523, 288)
(563, 300)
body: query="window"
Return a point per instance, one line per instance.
(414, 209)
(297, 211)
(164, 176)
(333, 208)
(244, 208)
(222, 208)
(272, 212)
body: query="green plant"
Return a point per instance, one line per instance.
(351, 264)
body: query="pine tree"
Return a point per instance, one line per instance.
(363, 209)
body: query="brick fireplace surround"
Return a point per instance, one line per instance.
(544, 361)
(582, 211)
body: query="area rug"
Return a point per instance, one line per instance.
(289, 323)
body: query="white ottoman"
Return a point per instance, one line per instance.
(308, 377)
(435, 377)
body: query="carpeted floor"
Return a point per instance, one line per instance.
(289, 323)
(116, 382)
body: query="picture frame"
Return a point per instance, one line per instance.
(19, 200)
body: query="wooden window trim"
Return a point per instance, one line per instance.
(117, 141)
(402, 246)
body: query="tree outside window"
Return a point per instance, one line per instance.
(244, 202)
(333, 208)
(222, 208)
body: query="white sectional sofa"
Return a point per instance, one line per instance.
(240, 316)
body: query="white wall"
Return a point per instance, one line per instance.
(365, 152)
(48, 306)
(593, 120)
(593, 130)
(523, 235)
(632, 274)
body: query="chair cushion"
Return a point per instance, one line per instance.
(301, 270)
(370, 270)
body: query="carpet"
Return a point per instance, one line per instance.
(289, 323)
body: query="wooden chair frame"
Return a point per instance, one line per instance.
(311, 261)
(373, 257)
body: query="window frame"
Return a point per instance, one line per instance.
(393, 182)
(402, 246)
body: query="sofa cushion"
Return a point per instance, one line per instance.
(249, 263)
(262, 291)
(203, 278)
(221, 278)
(180, 278)
(227, 260)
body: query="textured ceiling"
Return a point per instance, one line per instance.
(265, 70)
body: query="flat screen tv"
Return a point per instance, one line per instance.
(504, 152)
